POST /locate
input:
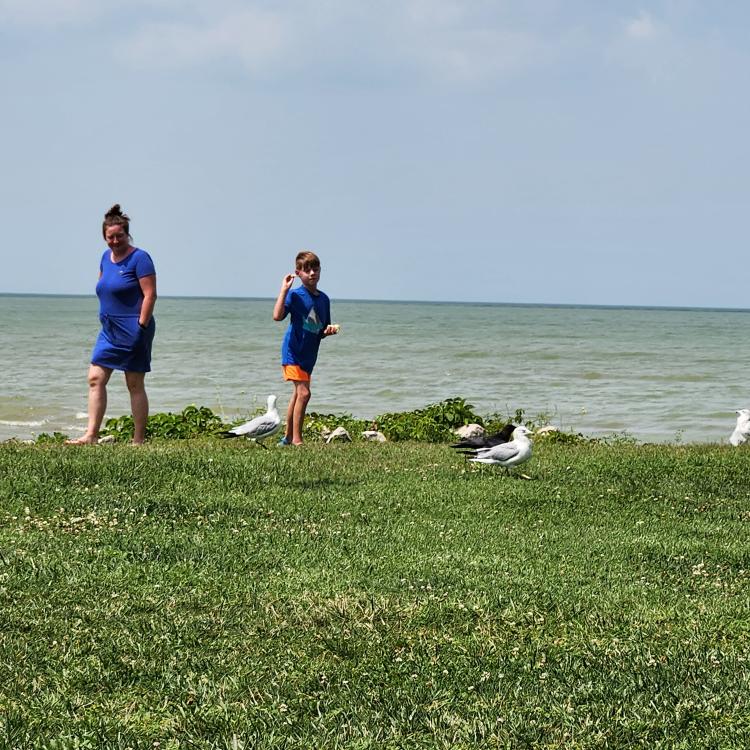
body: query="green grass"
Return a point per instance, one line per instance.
(213, 595)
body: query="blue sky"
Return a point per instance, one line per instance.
(540, 151)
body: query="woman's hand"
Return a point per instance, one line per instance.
(148, 288)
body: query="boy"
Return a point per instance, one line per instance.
(310, 311)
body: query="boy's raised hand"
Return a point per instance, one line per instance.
(279, 310)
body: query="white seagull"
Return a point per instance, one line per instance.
(512, 453)
(259, 428)
(741, 432)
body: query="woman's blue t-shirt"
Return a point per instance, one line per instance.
(118, 288)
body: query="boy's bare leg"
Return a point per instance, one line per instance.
(138, 404)
(290, 414)
(301, 399)
(98, 377)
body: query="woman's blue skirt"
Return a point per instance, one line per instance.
(123, 345)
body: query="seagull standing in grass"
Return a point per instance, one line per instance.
(512, 453)
(741, 432)
(261, 427)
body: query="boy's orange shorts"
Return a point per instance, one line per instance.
(295, 372)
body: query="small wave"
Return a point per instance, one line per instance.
(472, 355)
(81, 415)
(387, 393)
(16, 423)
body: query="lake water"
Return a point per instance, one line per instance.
(658, 374)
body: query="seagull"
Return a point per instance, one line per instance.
(487, 441)
(741, 432)
(512, 453)
(259, 428)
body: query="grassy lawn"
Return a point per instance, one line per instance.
(206, 595)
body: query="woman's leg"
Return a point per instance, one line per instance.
(138, 404)
(98, 378)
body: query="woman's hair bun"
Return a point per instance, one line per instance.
(113, 212)
(115, 217)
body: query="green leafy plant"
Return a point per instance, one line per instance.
(560, 437)
(317, 425)
(496, 421)
(616, 438)
(435, 423)
(55, 437)
(191, 422)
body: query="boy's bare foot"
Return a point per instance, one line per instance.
(82, 441)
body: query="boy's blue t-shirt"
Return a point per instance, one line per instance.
(118, 288)
(310, 314)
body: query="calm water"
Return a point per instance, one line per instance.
(659, 374)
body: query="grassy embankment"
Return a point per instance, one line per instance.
(205, 595)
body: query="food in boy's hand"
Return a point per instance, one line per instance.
(335, 327)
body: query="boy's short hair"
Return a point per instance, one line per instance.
(306, 260)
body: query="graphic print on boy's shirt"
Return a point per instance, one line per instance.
(312, 322)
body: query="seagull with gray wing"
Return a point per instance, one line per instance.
(514, 452)
(259, 428)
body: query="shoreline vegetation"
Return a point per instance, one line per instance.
(435, 423)
(206, 593)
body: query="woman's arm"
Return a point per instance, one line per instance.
(148, 287)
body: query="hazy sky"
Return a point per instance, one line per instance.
(508, 151)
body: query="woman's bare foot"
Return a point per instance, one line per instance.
(83, 440)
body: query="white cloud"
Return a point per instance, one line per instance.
(46, 13)
(431, 12)
(463, 41)
(642, 27)
(648, 48)
(254, 37)
(476, 54)
(445, 40)
(441, 39)
(26, 14)
(681, 52)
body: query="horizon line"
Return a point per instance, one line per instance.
(479, 303)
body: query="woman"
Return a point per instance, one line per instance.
(127, 294)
